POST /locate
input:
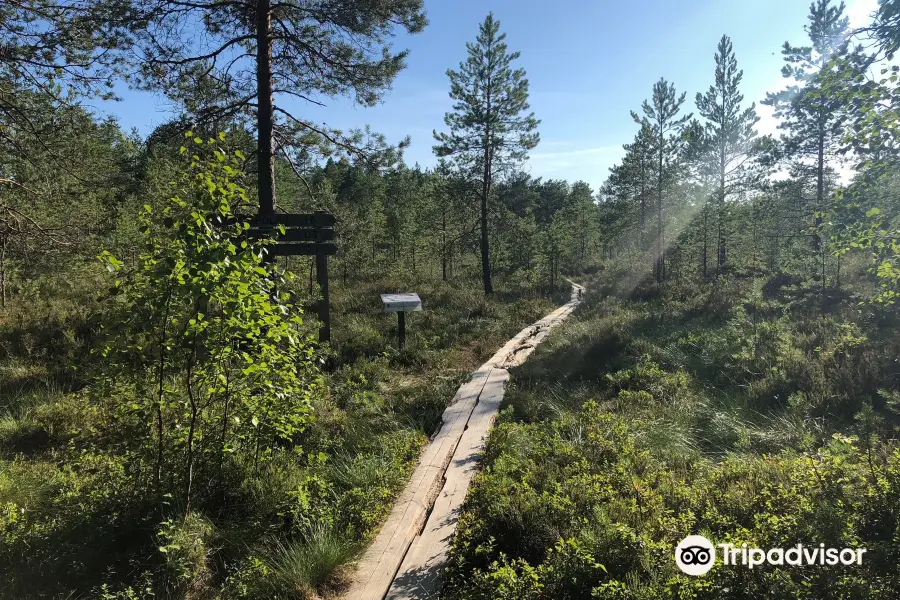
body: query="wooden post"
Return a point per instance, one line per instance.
(322, 280)
(304, 235)
(401, 329)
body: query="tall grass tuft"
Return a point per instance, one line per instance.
(303, 567)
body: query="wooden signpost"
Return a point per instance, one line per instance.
(305, 235)
(401, 304)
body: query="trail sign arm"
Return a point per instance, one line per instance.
(292, 235)
(316, 219)
(303, 249)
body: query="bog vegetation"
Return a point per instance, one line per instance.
(171, 427)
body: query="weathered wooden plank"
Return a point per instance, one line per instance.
(420, 572)
(419, 576)
(315, 219)
(406, 558)
(293, 235)
(303, 249)
(379, 564)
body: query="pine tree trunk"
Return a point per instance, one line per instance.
(720, 261)
(485, 257)
(820, 188)
(659, 222)
(754, 260)
(485, 192)
(3, 272)
(641, 234)
(444, 246)
(265, 111)
(584, 235)
(705, 237)
(837, 275)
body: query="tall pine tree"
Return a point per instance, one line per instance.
(490, 126)
(665, 132)
(727, 140)
(813, 121)
(233, 59)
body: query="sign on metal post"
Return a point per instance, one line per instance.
(401, 304)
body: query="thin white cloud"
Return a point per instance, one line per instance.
(570, 158)
(586, 164)
(554, 144)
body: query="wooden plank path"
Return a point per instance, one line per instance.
(405, 560)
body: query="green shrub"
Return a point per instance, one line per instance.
(297, 569)
(613, 504)
(227, 370)
(710, 411)
(186, 546)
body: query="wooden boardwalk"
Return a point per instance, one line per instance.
(405, 560)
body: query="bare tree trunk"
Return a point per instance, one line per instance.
(720, 260)
(584, 235)
(485, 191)
(444, 246)
(265, 116)
(659, 222)
(160, 390)
(705, 237)
(3, 272)
(837, 275)
(189, 470)
(820, 188)
(192, 428)
(641, 234)
(223, 447)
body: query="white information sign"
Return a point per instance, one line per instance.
(401, 302)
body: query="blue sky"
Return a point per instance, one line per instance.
(589, 62)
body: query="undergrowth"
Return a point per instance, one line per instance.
(737, 410)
